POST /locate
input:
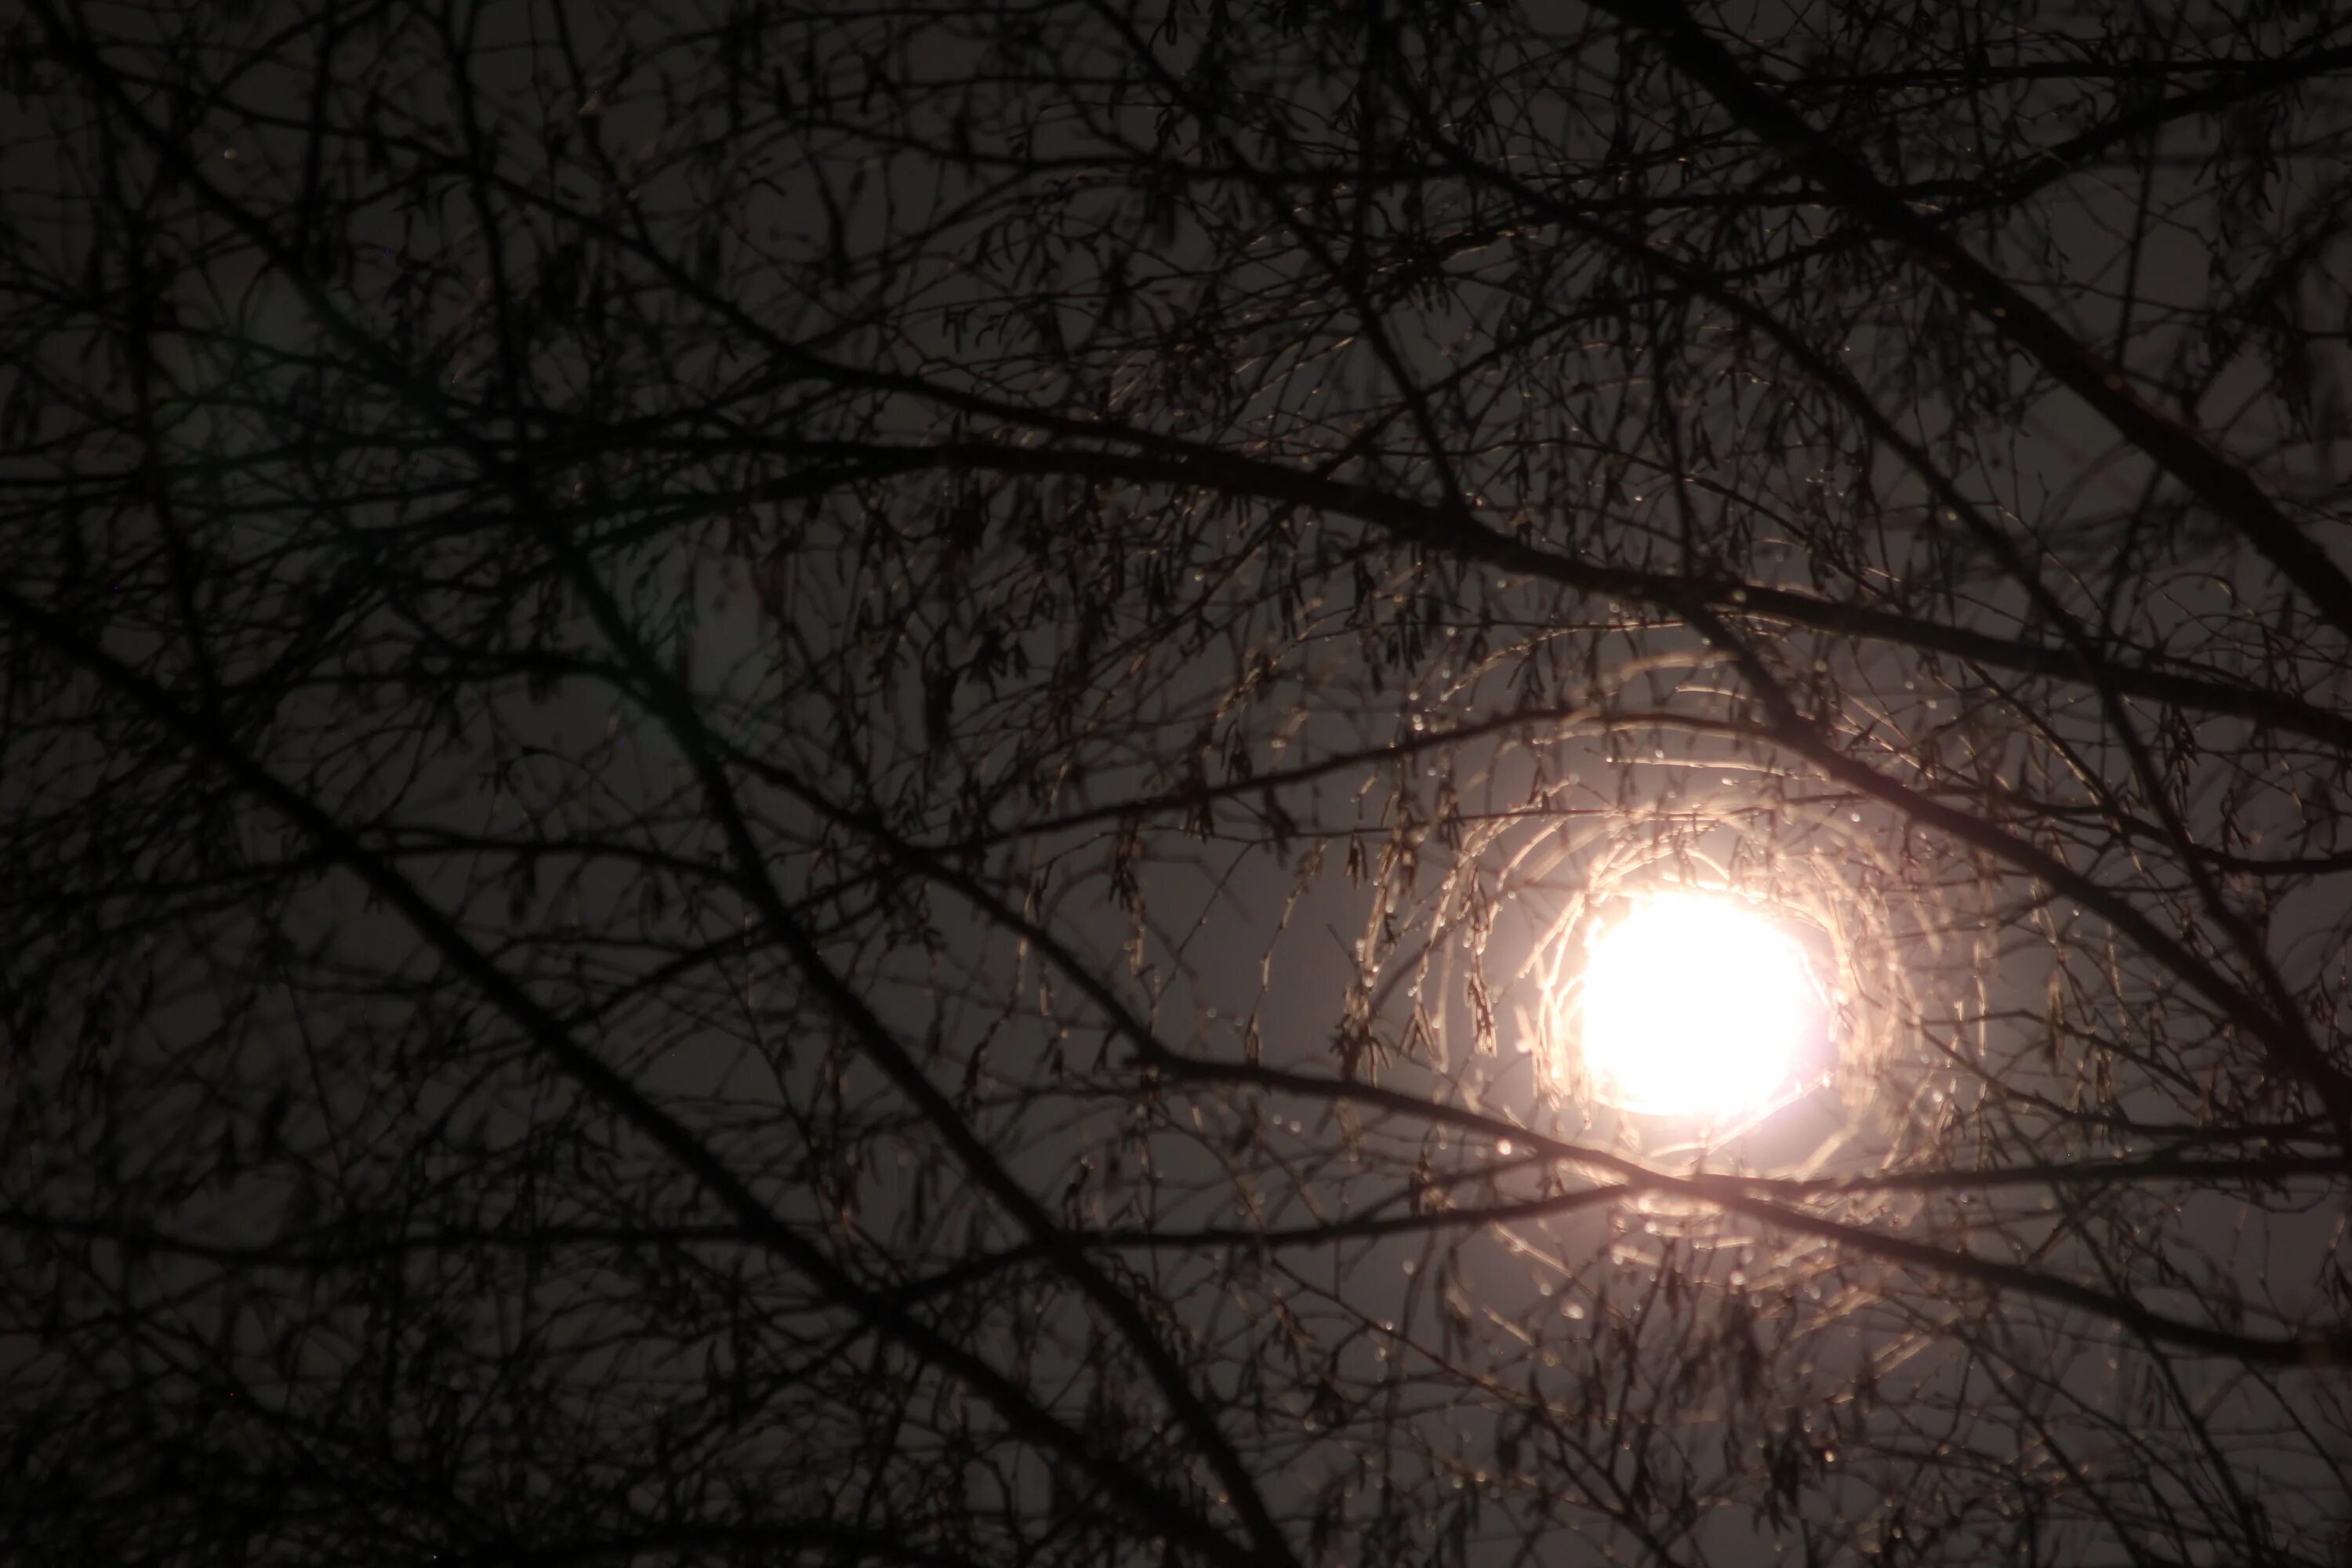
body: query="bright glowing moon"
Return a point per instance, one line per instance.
(1693, 1006)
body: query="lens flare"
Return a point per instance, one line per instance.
(1693, 1006)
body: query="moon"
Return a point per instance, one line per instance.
(1694, 1006)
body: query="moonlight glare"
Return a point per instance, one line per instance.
(1693, 1005)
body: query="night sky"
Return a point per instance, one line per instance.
(833, 783)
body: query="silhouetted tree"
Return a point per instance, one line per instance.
(820, 783)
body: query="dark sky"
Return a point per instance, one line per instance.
(781, 783)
